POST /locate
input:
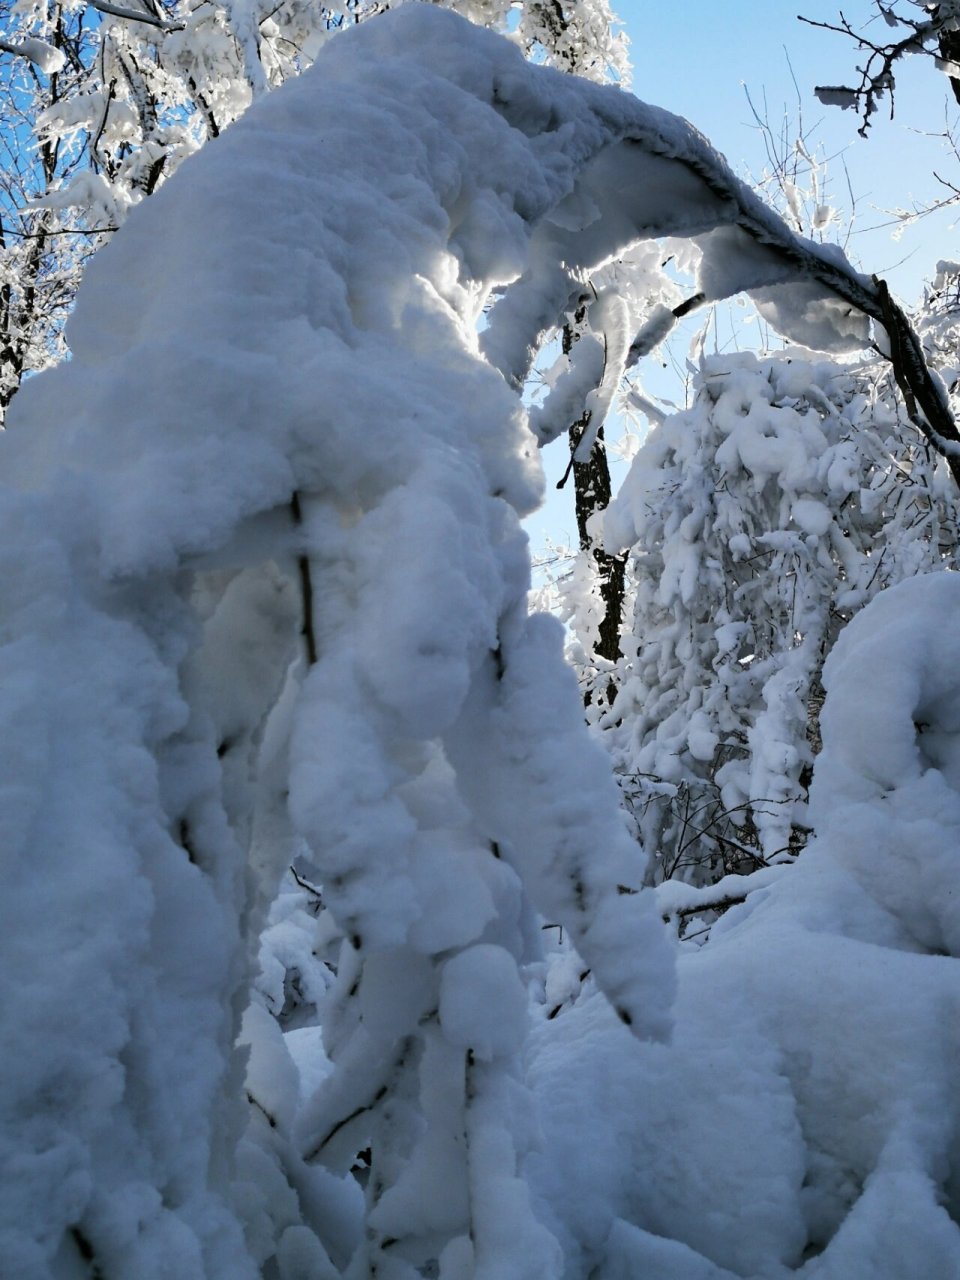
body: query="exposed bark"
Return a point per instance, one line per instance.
(593, 491)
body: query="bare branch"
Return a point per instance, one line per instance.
(306, 588)
(877, 73)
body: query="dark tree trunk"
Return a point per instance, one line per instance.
(592, 493)
(591, 483)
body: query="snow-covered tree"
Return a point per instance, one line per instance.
(732, 601)
(100, 103)
(42, 250)
(624, 309)
(758, 522)
(265, 602)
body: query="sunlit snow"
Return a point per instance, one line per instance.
(265, 605)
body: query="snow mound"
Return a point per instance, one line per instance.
(804, 1120)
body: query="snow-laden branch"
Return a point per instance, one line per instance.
(675, 898)
(657, 176)
(39, 52)
(135, 15)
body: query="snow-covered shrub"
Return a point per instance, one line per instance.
(758, 521)
(265, 604)
(804, 1119)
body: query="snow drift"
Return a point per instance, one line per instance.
(804, 1119)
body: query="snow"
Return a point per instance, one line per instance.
(568, 395)
(276, 377)
(837, 96)
(265, 608)
(483, 1003)
(814, 1035)
(48, 59)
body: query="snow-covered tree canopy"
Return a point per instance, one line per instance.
(100, 103)
(265, 601)
(758, 521)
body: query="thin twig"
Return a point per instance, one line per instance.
(306, 589)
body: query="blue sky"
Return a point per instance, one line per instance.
(695, 58)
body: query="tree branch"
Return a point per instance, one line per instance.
(875, 83)
(306, 589)
(910, 367)
(129, 15)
